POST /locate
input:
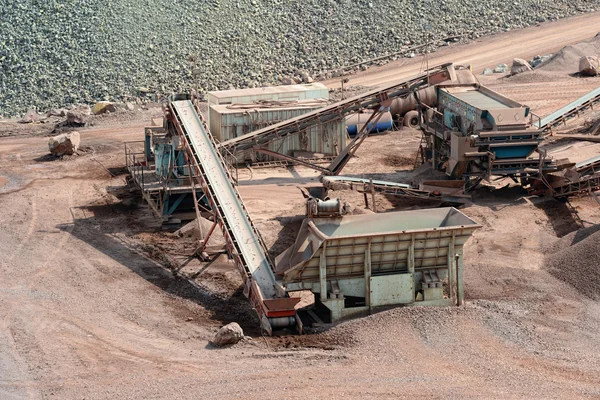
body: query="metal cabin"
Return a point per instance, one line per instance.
(358, 262)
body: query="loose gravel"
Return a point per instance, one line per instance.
(60, 52)
(576, 261)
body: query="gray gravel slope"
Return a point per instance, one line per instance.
(59, 52)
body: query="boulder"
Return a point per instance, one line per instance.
(229, 334)
(287, 81)
(64, 144)
(589, 66)
(57, 112)
(103, 107)
(306, 78)
(487, 71)
(500, 69)
(30, 116)
(519, 65)
(78, 116)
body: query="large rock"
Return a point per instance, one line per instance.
(519, 65)
(589, 66)
(64, 144)
(229, 334)
(78, 116)
(103, 107)
(500, 68)
(29, 117)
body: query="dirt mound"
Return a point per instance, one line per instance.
(576, 260)
(567, 59)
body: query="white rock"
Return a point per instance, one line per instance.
(519, 65)
(589, 66)
(229, 334)
(66, 143)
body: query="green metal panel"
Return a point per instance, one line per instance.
(391, 289)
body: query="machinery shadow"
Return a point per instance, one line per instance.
(106, 229)
(562, 216)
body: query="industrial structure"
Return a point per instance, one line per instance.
(351, 263)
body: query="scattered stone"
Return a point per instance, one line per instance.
(78, 116)
(500, 69)
(589, 66)
(103, 107)
(129, 106)
(519, 65)
(539, 60)
(30, 116)
(306, 78)
(229, 334)
(64, 144)
(57, 112)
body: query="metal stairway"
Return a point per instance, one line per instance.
(243, 242)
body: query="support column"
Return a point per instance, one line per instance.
(460, 298)
(452, 284)
(323, 272)
(368, 275)
(411, 264)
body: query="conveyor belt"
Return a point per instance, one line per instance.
(571, 110)
(373, 99)
(243, 240)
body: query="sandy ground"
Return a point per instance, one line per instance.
(90, 309)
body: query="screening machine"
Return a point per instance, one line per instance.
(358, 262)
(476, 133)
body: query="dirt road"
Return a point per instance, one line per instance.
(488, 51)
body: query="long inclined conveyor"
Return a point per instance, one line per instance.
(244, 243)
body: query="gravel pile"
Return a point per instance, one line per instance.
(60, 52)
(567, 59)
(575, 259)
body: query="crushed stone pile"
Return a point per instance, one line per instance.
(567, 59)
(55, 53)
(575, 259)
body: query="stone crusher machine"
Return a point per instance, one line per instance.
(476, 133)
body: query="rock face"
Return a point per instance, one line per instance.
(229, 334)
(519, 65)
(64, 144)
(589, 66)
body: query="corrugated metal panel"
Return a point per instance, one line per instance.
(290, 92)
(329, 138)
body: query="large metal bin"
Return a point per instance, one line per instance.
(409, 257)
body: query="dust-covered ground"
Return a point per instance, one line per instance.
(91, 309)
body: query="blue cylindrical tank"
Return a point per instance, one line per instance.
(355, 122)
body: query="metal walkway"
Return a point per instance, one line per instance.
(243, 240)
(571, 110)
(378, 99)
